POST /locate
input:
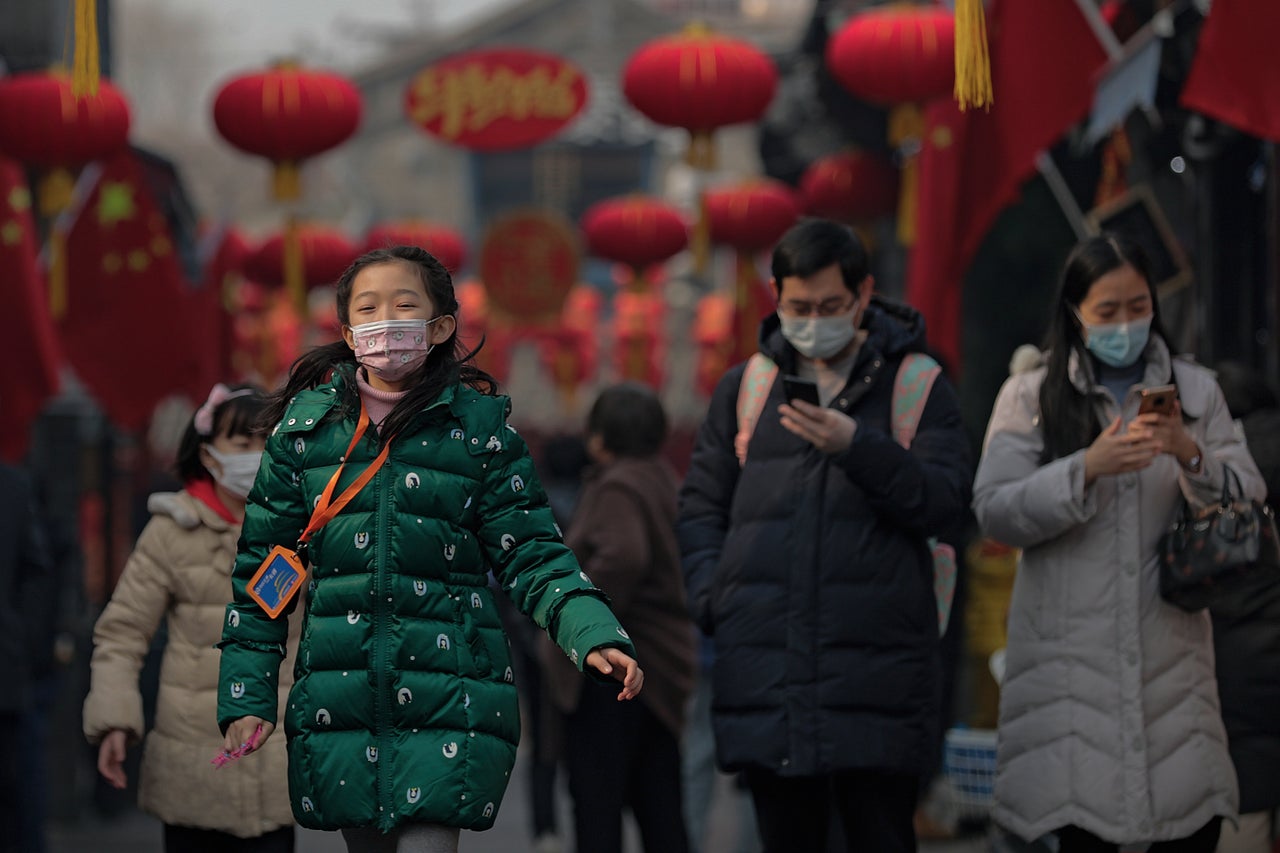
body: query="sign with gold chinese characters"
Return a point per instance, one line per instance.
(529, 263)
(496, 100)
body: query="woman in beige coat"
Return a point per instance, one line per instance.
(1110, 728)
(180, 570)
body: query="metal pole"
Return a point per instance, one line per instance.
(1062, 194)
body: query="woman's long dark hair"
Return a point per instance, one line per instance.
(448, 363)
(1067, 416)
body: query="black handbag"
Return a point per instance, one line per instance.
(1220, 549)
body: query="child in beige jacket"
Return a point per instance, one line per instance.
(180, 570)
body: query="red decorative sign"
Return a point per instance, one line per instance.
(529, 263)
(496, 100)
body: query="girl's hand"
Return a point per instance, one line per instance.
(621, 666)
(111, 758)
(241, 732)
(1171, 432)
(1115, 452)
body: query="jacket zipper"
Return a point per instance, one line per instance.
(384, 794)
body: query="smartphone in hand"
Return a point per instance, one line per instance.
(796, 388)
(1158, 400)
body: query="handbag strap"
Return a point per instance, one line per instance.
(1228, 474)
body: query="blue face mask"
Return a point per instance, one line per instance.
(1117, 344)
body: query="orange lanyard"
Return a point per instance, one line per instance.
(325, 512)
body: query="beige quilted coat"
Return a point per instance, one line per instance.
(180, 570)
(1109, 716)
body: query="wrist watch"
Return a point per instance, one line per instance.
(1193, 464)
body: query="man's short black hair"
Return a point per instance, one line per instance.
(629, 419)
(812, 245)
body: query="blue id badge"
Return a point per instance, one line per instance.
(277, 581)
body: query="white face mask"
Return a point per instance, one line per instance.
(238, 470)
(819, 337)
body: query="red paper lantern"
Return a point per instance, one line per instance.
(896, 54)
(752, 216)
(634, 230)
(325, 255)
(699, 80)
(447, 245)
(851, 186)
(43, 124)
(287, 114)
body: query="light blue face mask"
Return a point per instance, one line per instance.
(1117, 344)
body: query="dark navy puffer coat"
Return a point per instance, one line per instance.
(812, 574)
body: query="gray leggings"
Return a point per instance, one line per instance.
(410, 838)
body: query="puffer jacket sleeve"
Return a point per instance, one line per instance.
(706, 497)
(1220, 448)
(253, 644)
(1017, 500)
(524, 547)
(123, 635)
(923, 489)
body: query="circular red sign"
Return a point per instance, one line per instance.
(496, 100)
(529, 263)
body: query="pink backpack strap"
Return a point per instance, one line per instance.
(911, 388)
(757, 379)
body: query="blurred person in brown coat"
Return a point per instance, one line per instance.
(626, 755)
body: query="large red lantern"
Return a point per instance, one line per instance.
(324, 255)
(900, 56)
(751, 217)
(287, 114)
(446, 244)
(635, 230)
(699, 80)
(44, 124)
(896, 54)
(852, 186)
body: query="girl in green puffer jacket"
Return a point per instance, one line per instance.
(402, 722)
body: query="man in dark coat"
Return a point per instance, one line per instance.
(807, 560)
(24, 573)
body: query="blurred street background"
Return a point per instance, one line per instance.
(610, 220)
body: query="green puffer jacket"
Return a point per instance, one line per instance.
(404, 709)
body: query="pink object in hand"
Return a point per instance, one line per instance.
(222, 759)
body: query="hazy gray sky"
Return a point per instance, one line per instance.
(248, 32)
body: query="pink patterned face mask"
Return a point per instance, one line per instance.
(392, 349)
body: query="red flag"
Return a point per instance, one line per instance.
(129, 327)
(1043, 60)
(1235, 77)
(29, 375)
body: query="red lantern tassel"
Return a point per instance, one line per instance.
(906, 128)
(86, 65)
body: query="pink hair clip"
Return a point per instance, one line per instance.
(218, 395)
